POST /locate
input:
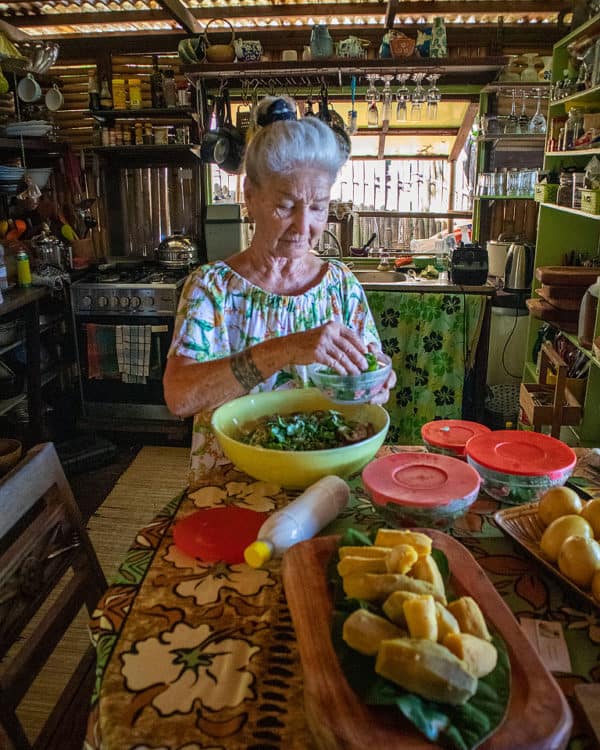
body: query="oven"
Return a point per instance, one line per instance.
(106, 314)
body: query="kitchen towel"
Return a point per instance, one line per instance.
(101, 352)
(133, 352)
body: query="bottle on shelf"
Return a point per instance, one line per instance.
(118, 92)
(157, 85)
(106, 101)
(170, 88)
(317, 506)
(93, 91)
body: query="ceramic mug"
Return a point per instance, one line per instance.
(54, 98)
(29, 89)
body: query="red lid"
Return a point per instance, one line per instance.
(451, 434)
(420, 479)
(521, 452)
(213, 534)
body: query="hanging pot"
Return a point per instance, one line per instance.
(229, 149)
(177, 251)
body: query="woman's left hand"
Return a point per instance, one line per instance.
(383, 394)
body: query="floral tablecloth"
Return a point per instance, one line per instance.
(202, 656)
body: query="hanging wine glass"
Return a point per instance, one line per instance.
(523, 122)
(402, 97)
(418, 97)
(537, 124)
(434, 96)
(511, 126)
(372, 96)
(386, 96)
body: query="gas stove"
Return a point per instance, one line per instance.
(122, 289)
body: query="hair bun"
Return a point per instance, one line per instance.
(278, 109)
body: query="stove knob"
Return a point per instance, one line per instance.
(149, 301)
(86, 301)
(124, 301)
(135, 302)
(114, 301)
(102, 301)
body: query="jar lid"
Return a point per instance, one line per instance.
(522, 453)
(422, 480)
(451, 434)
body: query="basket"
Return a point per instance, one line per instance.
(402, 46)
(590, 201)
(545, 192)
(219, 53)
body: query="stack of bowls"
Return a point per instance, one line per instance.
(41, 55)
(450, 436)
(191, 50)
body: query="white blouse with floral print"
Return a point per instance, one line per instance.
(221, 313)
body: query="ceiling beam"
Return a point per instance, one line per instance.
(177, 10)
(463, 131)
(467, 7)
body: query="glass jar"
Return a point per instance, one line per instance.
(170, 88)
(573, 128)
(135, 93)
(118, 93)
(564, 197)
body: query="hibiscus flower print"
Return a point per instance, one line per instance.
(390, 318)
(390, 346)
(421, 377)
(410, 362)
(451, 304)
(258, 496)
(444, 396)
(433, 342)
(403, 396)
(208, 579)
(191, 664)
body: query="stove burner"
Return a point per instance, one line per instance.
(136, 275)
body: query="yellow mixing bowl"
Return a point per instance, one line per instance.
(295, 469)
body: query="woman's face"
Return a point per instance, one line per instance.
(289, 211)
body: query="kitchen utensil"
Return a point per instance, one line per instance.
(68, 233)
(219, 52)
(28, 89)
(497, 252)
(228, 151)
(177, 251)
(518, 272)
(54, 98)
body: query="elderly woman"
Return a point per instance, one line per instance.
(259, 320)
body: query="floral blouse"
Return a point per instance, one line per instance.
(221, 313)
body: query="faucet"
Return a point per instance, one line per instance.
(338, 247)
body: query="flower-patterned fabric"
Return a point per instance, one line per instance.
(221, 313)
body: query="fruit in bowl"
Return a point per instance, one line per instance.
(287, 420)
(353, 389)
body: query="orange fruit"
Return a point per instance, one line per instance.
(559, 530)
(557, 502)
(591, 513)
(579, 559)
(596, 585)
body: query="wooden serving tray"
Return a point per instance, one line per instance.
(567, 275)
(569, 304)
(523, 525)
(538, 717)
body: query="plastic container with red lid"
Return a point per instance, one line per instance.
(420, 489)
(450, 436)
(518, 466)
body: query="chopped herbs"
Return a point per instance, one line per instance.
(305, 431)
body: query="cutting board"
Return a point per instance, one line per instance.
(538, 717)
(567, 275)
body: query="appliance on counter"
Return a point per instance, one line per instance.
(469, 265)
(518, 273)
(125, 294)
(497, 251)
(223, 230)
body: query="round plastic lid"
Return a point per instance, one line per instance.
(451, 434)
(258, 553)
(419, 479)
(213, 534)
(522, 453)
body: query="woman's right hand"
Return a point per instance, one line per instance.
(332, 345)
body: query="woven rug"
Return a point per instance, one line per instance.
(155, 476)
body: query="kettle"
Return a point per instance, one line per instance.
(177, 251)
(518, 273)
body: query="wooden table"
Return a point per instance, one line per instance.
(203, 655)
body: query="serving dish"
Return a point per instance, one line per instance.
(523, 525)
(351, 389)
(338, 719)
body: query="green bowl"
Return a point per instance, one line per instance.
(422, 261)
(295, 469)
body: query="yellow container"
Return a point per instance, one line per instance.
(590, 201)
(118, 93)
(135, 93)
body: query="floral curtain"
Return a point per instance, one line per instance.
(432, 339)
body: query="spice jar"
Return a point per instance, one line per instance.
(564, 197)
(573, 128)
(135, 93)
(118, 90)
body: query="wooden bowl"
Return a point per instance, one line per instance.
(10, 453)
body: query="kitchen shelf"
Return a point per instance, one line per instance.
(50, 148)
(21, 340)
(172, 113)
(414, 214)
(518, 137)
(574, 152)
(569, 210)
(504, 197)
(144, 148)
(581, 97)
(7, 404)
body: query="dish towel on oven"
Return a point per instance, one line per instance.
(133, 352)
(101, 352)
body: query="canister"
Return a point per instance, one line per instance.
(118, 92)
(450, 436)
(23, 270)
(135, 93)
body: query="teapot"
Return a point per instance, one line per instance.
(247, 50)
(352, 47)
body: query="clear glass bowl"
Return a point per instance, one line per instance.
(516, 489)
(350, 389)
(442, 517)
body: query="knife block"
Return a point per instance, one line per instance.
(553, 404)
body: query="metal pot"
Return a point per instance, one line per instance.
(177, 251)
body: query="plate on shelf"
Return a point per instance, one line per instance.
(339, 719)
(521, 523)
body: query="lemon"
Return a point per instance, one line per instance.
(591, 513)
(596, 585)
(557, 502)
(559, 530)
(579, 559)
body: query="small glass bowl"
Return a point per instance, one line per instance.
(350, 389)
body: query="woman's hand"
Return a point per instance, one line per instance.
(332, 345)
(383, 394)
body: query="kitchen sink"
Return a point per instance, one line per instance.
(373, 276)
